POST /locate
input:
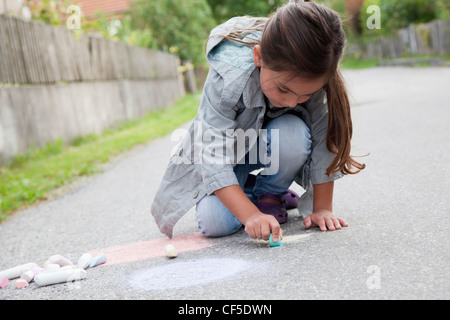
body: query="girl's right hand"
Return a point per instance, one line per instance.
(260, 226)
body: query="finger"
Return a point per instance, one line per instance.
(265, 231)
(336, 223)
(250, 231)
(322, 224)
(343, 222)
(307, 222)
(276, 231)
(258, 233)
(330, 224)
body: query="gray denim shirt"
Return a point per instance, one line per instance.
(232, 99)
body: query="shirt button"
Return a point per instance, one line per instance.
(195, 194)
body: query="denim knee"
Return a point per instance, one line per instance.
(295, 139)
(214, 219)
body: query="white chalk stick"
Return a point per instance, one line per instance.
(171, 252)
(27, 276)
(48, 278)
(84, 261)
(72, 267)
(101, 258)
(59, 259)
(52, 267)
(16, 272)
(37, 270)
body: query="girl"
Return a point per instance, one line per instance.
(276, 83)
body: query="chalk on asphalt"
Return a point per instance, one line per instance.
(52, 267)
(101, 258)
(4, 282)
(49, 278)
(171, 252)
(21, 283)
(27, 276)
(37, 269)
(273, 243)
(69, 267)
(16, 272)
(84, 261)
(59, 259)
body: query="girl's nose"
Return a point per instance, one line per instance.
(291, 103)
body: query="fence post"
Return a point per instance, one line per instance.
(190, 81)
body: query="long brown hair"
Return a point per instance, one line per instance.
(307, 40)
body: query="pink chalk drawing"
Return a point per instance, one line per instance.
(152, 248)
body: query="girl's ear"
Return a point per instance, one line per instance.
(257, 55)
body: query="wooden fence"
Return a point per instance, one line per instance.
(422, 39)
(35, 53)
(54, 85)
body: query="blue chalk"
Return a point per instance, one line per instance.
(273, 243)
(97, 260)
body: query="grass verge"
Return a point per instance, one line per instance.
(31, 177)
(359, 64)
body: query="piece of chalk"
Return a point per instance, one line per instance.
(16, 272)
(273, 243)
(21, 283)
(59, 259)
(101, 258)
(37, 270)
(48, 278)
(69, 267)
(84, 261)
(171, 252)
(4, 282)
(52, 267)
(27, 276)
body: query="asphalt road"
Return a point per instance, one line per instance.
(396, 245)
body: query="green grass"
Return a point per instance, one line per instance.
(359, 64)
(353, 63)
(33, 176)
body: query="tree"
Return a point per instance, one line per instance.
(226, 9)
(182, 25)
(399, 14)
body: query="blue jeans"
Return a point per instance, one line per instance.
(215, 220)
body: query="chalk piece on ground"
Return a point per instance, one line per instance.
(4, 283)
(48, 278)
(27, 276)
(21, 283)
(59, 259)
(273, 243)
(52, 267)
(84, 261)
(171, 252)
(16, 272)
(69, 267)
(100, 259)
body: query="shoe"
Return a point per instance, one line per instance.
(290, 199)
(277, 210)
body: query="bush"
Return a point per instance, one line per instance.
(399, 14)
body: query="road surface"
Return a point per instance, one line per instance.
(396, 245)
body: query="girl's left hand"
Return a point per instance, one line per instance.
(324, 219)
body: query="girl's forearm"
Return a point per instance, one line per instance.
(234, 198)
(323, 196)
